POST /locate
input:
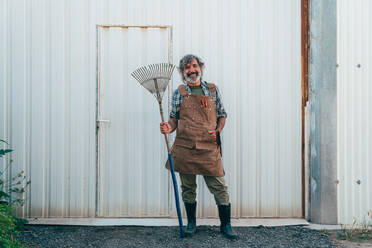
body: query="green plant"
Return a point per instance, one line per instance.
(8, 227)
(16, 184)
(357, 231)
(11, 190)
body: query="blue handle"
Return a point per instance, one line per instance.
(176, 195)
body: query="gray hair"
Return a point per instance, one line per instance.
(187, 60)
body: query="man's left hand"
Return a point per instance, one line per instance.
(213, 134)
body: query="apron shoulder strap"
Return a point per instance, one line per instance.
(182, 90)
(212, 88)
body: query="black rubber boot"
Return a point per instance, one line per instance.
(224, 212)
(191, 218)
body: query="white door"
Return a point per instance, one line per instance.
(132, 181)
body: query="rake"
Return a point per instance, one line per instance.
(155, 78)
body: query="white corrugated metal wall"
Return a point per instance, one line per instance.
(48, 79)
(354, 51)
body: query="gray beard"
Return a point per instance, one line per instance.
(189, 79)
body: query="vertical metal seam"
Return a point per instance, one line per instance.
(238, 207)
(98, 56)
(44, 122)
(63, 190)
(48, 77)
(68, 115)
(27, 207)
(276, 209)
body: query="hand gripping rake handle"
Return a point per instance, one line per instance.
(174, 179)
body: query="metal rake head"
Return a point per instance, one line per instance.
(154, 78)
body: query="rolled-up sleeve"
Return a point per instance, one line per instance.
(220, 110)
(175, 105)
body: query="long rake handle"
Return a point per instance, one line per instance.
(162, 119)
(174, 179)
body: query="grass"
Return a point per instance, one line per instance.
(357, 232)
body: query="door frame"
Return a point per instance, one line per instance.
(305, 135)
(99, 28)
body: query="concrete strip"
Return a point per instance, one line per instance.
(323, 227)
(162, 222)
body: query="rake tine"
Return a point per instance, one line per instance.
(142, 72)
(145, 74)
(150, 73)
(136, 76)
(161, 69)
(155, 68)
(133, 75)
(158, 69)
(170, 69)
(166, 70)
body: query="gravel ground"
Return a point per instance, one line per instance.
(138, 236)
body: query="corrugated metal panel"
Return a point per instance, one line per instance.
(252, 52)
(49, 77)
(354, 44)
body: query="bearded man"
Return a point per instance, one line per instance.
(198, 115)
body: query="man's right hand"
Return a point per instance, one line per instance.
(165, 127)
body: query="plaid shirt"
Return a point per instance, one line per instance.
(177, 100)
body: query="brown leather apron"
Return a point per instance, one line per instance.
(194, 151)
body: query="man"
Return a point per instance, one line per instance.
(199, 117)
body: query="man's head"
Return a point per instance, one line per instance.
(191, 68)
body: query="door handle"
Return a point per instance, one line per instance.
(107, 121)
(102, 121)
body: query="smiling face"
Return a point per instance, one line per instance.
(192, 72)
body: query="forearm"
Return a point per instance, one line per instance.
(173, 123)
(220, 124)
